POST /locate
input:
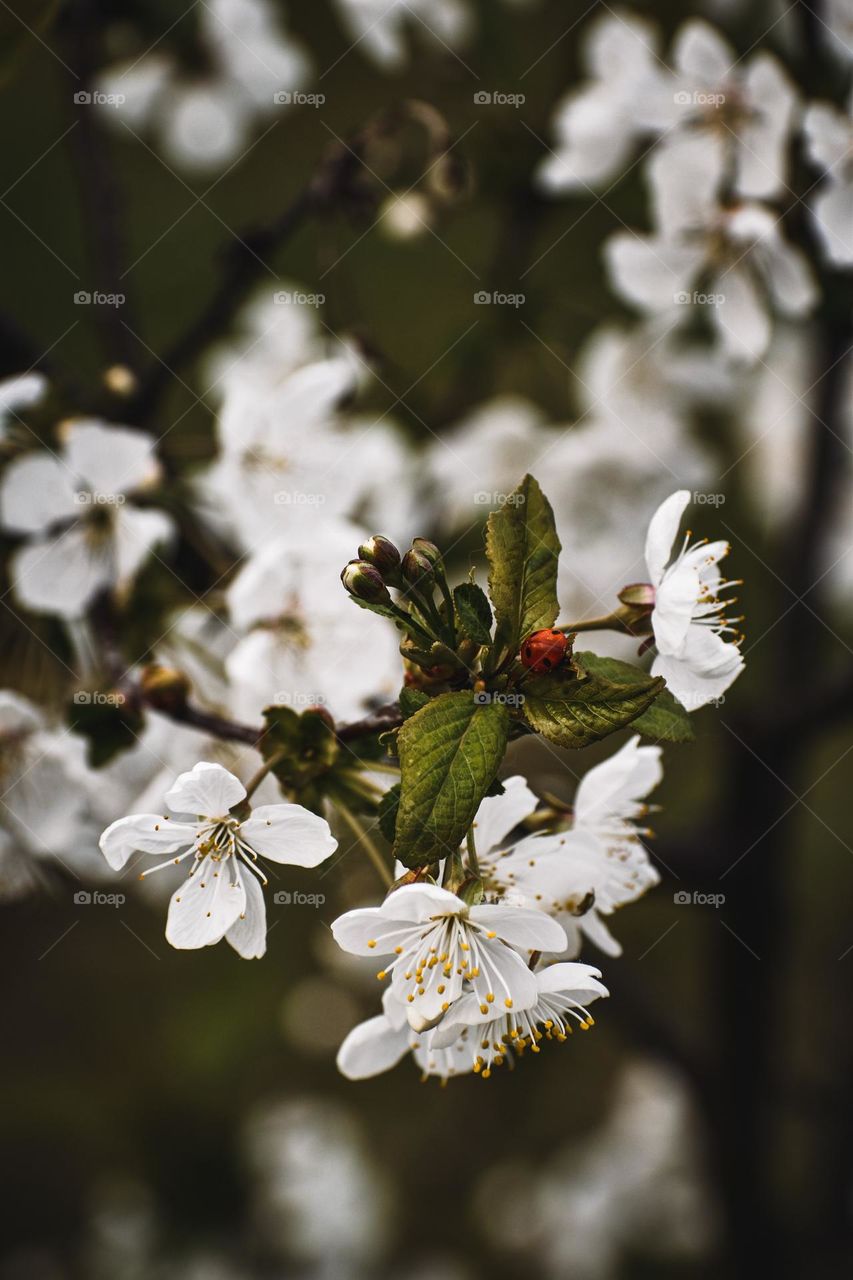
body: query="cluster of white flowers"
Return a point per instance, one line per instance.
(472, 985)
(203, 122)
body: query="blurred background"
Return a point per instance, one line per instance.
(200, 201)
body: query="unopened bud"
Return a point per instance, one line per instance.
(165, 688)
(382, 554)
(417, 569)
(365, 583)
(429, 551)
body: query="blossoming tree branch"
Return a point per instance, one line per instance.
(490, 893)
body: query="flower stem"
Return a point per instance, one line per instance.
(267, 767)
(370, 848)
(473, 861)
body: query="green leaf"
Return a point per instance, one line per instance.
(387, 815)
(474, 612)
(666, 719)
(574, 711)
(450, 751)
(523, 550)
(411, 700)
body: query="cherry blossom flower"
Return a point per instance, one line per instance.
(737, 255)
(440, 948)
(379, 26)
(222, 895)
(585, 873)
(462, 1042)
(694, 652)
(829, 139)
(19, 393)
(201, 123)
(87, 535)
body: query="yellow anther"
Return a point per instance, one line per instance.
(484, 1008)
(441, 988)
(410, 999)
(381, 974)
(371, 942)
(398, 951)
(491, 934)
(508, 1002)
(490, 997)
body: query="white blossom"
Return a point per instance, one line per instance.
(439, 948)
(694, 650)
(17, 394)
(829, 139)
(379, 27)
(86, 533)
(222, 896)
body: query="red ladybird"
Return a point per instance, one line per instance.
(544, 650)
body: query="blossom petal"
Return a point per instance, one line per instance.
(136, 534)
(521, 927)
(617, 784)
(61, 575)
(109, 459)
(248, 934)
(419, 902)
(741, 320)
(204, 908)
(701, 52)
(705, 668)
(144, 833)
(364, 932)
(498, 815)
(207, 789)
(578, 980)
(372, 1047)
(663, 529)
(290, 834)
(37, 490)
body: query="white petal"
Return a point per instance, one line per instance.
(418, 902)
(651, 272)
(832, 209)
(827, 133)
(707, 666)
(207, 790)
(676, 600)
(701, 53)
(37, 490)
(762, 162)
(110, 460)
(663, 530)
(498, 815)
(579, 980)
(686, 174)
(593, 927)
(136, 534)
(742, 319)
(144, 833)
(521, 927)
(204, 908)
(372, 1047)
(616, 784)
(290, 834)
(248, 934)
(354, 931)
(61, 575)
(790, 277)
